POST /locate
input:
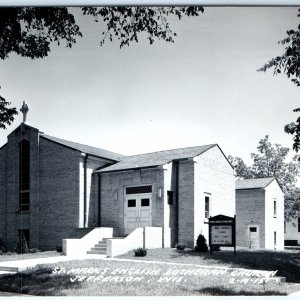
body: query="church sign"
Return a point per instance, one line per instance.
(221, 231)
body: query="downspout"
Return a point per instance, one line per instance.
(85, 190)
(99, 200)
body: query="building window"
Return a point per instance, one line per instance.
(170, 197)
(206, 206)
(284, 226)
(275, 209)
(24, 175)
(275, 239)
(139, 189)
(298, 224)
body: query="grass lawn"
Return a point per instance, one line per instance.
(286, 262)
(14, 256)
(122, 278)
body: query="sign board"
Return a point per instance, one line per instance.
(221, 234)
(221, 231)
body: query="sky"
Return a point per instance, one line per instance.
(203, 89)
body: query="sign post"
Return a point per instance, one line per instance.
(222, 232)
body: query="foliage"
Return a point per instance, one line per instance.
(241, 169)
(6, 113)
(125, 23)
(294, 129)
(29, 31)
(201, 245)
(3, 247)
(22, 246)
(270, 161)
(180, 246)
(140, 252)
(289, 63)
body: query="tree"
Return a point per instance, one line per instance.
(270, 161)
(29, 31)
(289, 64)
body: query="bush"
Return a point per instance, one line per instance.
(34, 250)
(22, 246)
(3, 248)
(140, 252)
(201, 245)
(180, 246)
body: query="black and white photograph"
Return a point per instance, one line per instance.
(149, 150)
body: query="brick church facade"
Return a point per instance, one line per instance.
(52, 189)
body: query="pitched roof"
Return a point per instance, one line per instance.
(255, 183)
(156, 158)
(84, 148)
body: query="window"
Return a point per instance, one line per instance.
(139, 189)
(24, 175)
(285, 226)
(275, 209)
(206, 206)
(253, 229)
(131, 203)
(275, 239)
(170, 197)
(145, 202)
(298, 224)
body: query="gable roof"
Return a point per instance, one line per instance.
(255, 183)
(84, 148)
(155, 159)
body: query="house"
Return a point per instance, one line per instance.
(52, 189)
(259, 214)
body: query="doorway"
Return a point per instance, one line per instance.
(253, 235)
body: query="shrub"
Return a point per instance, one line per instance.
(180, 246)
(3, 248)
(140, 252)
(34, 250)
(22, 246)
(201, 245)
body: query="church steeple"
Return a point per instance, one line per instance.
(24, 110)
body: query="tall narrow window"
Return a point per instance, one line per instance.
(275, 209)
(275, 238)
(206, 206)
(24, 175)
(298, 224)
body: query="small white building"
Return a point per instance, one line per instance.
(292, 232)
(259, 214)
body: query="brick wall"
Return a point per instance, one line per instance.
(112, 196)
(59, 193)
(3, 215)
(15, 219)
(250, 211)
(186, 203)
(213, 178)
(274, 222)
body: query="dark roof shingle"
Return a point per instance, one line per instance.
(255, 183)
(84, 148)
(156, 158)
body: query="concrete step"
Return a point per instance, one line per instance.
(9, 269)
(96, 252)
(99, 248)
(277, 279)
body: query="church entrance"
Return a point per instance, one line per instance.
(137, 211)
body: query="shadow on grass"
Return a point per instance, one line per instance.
(38, 281)
(286, 263)
(215, 291)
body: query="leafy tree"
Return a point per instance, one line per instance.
(241, 169)
(270, 161)
(289, 64)
(29, 31)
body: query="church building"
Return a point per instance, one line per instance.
(52, 189)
